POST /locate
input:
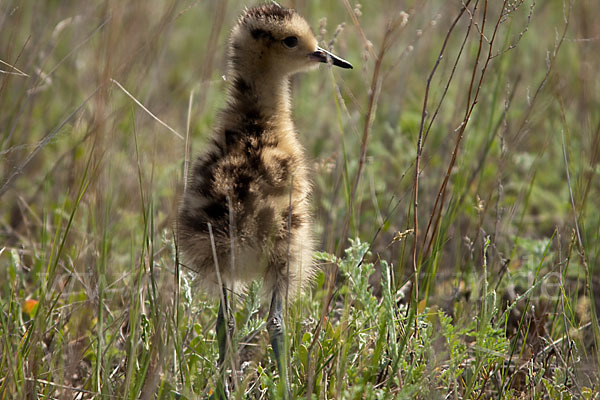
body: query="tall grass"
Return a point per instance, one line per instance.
(455, 178)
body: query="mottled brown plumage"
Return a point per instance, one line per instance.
(249, 191)
(252, 164)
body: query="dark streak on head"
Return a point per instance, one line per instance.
(259, 34)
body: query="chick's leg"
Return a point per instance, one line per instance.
(225, 328)
(276, 329)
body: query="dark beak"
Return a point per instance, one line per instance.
(324, 56)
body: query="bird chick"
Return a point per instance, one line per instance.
(245, 213)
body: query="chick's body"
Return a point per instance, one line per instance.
(251, 185)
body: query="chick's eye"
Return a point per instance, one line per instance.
(290, 41)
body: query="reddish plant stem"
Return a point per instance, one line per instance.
(471, 102)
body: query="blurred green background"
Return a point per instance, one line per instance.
(90, 183)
